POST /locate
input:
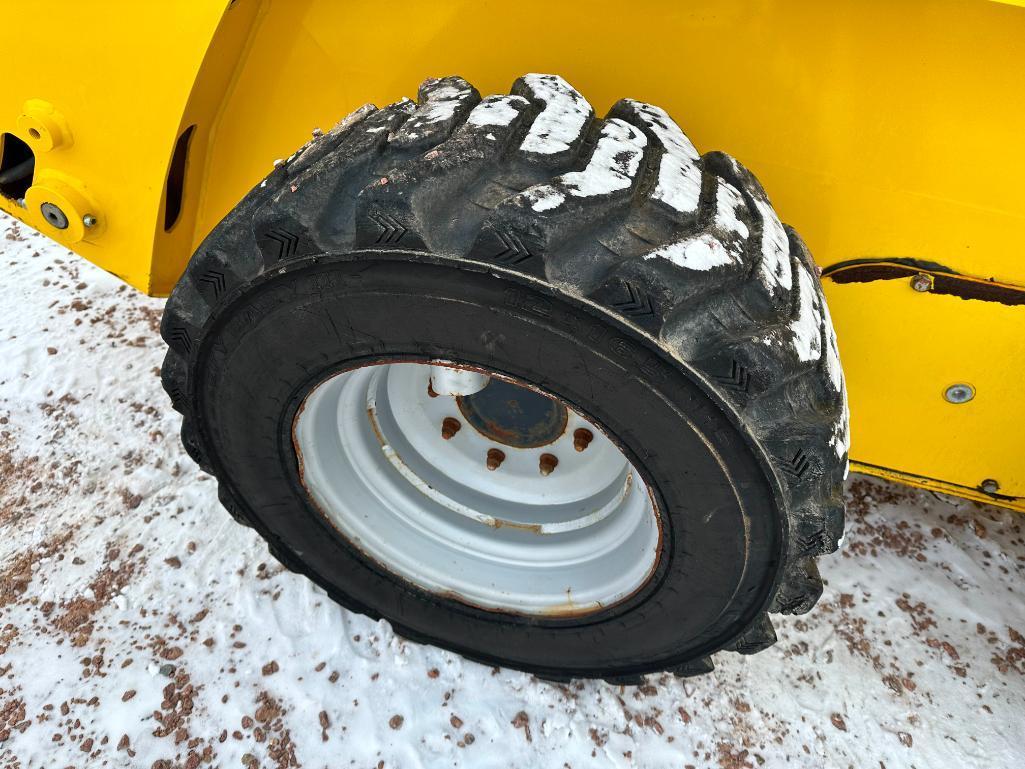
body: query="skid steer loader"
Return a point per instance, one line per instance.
(513, 364)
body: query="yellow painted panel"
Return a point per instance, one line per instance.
(901, 350)
(120, 73)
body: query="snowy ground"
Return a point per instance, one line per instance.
(140, 626)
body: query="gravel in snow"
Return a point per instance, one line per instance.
(140, 626)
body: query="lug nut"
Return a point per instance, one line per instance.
(449, 427)
(89, 220)
(547, 463)
(922, 282)
(582, 438)
(495, 458)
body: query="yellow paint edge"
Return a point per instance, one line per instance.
(931, 484)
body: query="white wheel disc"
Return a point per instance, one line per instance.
(462, 500)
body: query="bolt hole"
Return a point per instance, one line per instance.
(34, 133)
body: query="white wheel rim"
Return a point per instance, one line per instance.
(428, 509)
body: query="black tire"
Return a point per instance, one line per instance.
(650, 287)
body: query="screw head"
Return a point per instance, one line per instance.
(54, 216)
(959, 393)
(990, 486)
(89, 220)
(922, 282)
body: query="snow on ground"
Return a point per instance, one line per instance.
(140, 626)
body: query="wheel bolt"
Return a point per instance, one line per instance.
(547, 463)
(449, 427)
(495, 458)
(582, 438)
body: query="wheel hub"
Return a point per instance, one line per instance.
(504, 498)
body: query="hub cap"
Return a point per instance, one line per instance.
(504, 498)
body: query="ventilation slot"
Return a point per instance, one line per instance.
(176, 179)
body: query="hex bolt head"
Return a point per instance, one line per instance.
(582, 438)
(89, 220)
(495, 458)
(990, 486)
(547, 463)
(57, 218)
(449, 427)
(959, 393)
(922, 282)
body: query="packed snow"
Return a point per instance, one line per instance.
(497, 111)
(679, 178)
(563, 118)
(698, 252)
(611, 168)
(141, 627)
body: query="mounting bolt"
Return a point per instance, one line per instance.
(449, 427)
(582, 438)
(495, 458)
(990, 486)
(959, 393)
(89, 220)
(22, 203)
(547, 463)
(54, 216)
(922, 282)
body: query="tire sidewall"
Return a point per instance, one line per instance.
(721, 513)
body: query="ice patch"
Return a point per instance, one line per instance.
(774, 267)
(701, 252)
(728, 201)
(679, 178)
(545, 198)
(806, 327)
(562, 120)
(441, 105)
(496, 111)
(612, 166)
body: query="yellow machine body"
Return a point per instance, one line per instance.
(883, 131)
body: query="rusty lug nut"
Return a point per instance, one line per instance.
(922, 282)
(495, 458)
(547, 463)
(449, 427)
(582, 438)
